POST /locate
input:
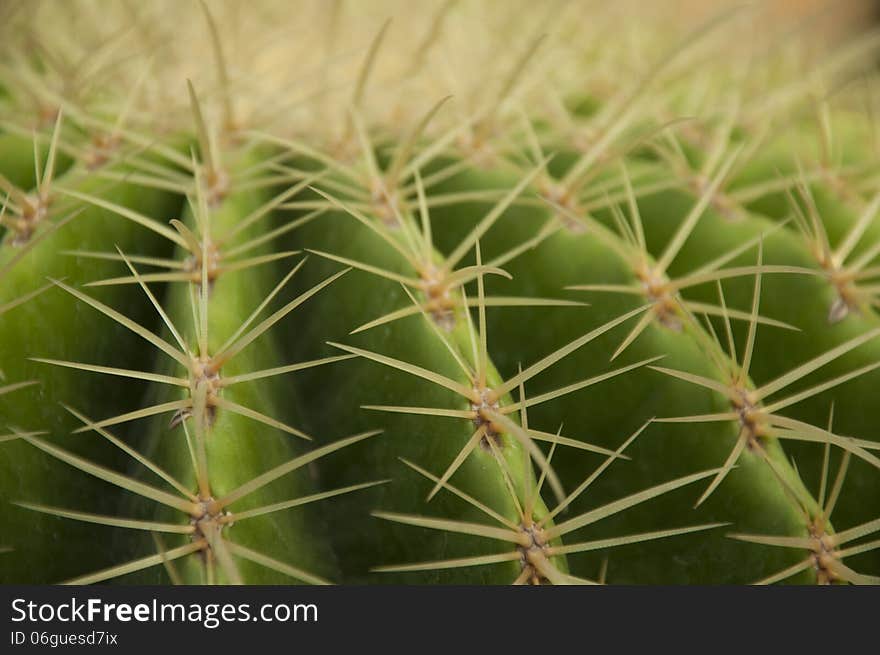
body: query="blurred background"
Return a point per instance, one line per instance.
(835, 19)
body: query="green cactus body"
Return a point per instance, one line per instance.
(835, 159)
(18, 159)
(235, 453)
(440, 300)
(237, 448)
(51, 324)
(574, 255)
(805, 299)
(431, 442)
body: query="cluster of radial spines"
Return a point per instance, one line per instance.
(756, 422)
(436, 288)
(825, 549)
(850, 266)
(534, 541)
(671, 310)
(208, 517)
(488, 412)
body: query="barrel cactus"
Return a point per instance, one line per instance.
(436, 293)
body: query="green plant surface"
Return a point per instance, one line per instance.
(809, 300)
(42, 321)
(442, 293)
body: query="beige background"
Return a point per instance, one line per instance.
(835, 18)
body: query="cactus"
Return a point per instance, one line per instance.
(292, 314)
